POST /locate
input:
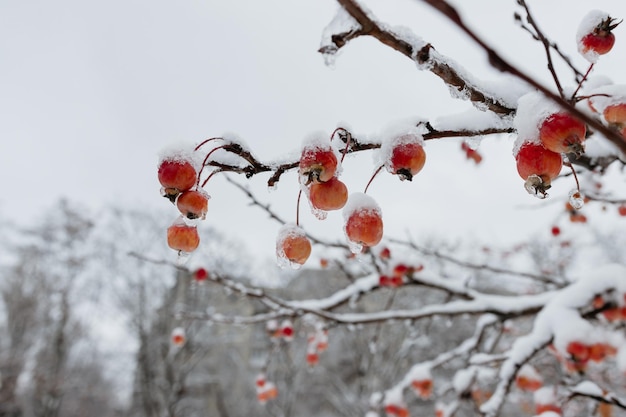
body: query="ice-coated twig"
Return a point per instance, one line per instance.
(555, 317)
(592, 390)
(463, 349)
(423, 53)
(471, 265)
(273, 215)
(577, 74)
(501, 64)
(503, 306)
(539, 35)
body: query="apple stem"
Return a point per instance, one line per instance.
(209, 177)
(206, 158)
(372, 179)
(569, 164)
(298, 208)
(348, 138)
(580, 84)
(201, 144)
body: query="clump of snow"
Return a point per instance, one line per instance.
(471, 120)
(589, 388)
(529, 372)
(587, 26)
(401, 131)
(181, 152)
(463, 379)
(342, 22)
(607, 95)
(360, 202)
(532, 109)
(545, 395)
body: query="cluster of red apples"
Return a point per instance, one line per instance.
(319, 168)
(179, 181)
(547, 132)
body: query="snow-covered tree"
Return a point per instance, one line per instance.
(464, 330)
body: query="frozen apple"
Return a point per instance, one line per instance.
(201, 274)
(562, 132)
(329, 195)
(595, 35)
(178, 337)
(404, 155)
(176, 175)
(183, 237)
(193, 204)
(538, 166)
(318, 162)
(363, 220)
(293, 247)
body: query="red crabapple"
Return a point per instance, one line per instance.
(176, 176)
(561, 132)
(538, 166)
(318, 163)
(193, 204)
(292, 245)
(598, 39)
(407, 156)
(471, 153)
(363, 220)
(423, 387)
(182, 237)
(200, 274)
(178, 336)
(329, 195)
(615, 113)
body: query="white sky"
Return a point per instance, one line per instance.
(90, 92)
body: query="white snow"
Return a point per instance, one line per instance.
(358, 201)
(533, 108)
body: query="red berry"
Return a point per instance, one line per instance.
(385, 253)
(193, 204)
(538, 166)
(329, 195)
(182, 237)
(407, 156)
(318, 163)
(622, 209)
(293, 245)
(600, 39)
(556, 230)
(200, 274)
(471, 153)
(561, 132)
(615, 114)
(176, 175)
(364, 223)
(578, 351)
(178, 336)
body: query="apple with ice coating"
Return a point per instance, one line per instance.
(183, 237)
(363, 220)
(329, 195)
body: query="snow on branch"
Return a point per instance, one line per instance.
(416, 49)
(560, 322)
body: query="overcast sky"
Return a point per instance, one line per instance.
(91, 91)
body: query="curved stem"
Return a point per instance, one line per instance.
(206, 158)
(372, 179)
(580, 84)
(204, 142)
(298, 208)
